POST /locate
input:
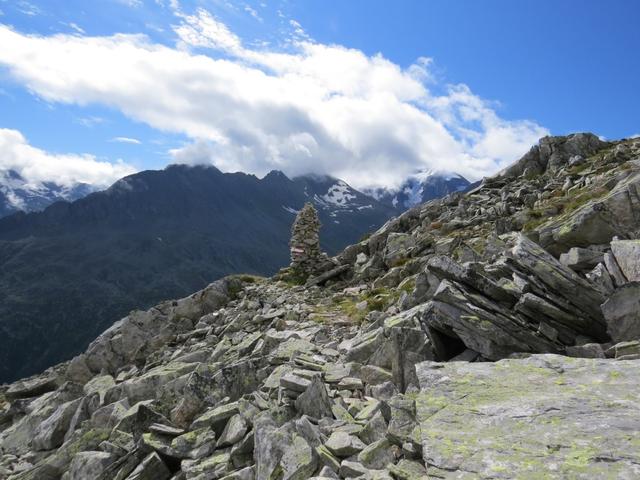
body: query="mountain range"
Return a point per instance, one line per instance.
(19, 195)
(419, 188)
(70, 270)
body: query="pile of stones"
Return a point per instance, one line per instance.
(306, 255)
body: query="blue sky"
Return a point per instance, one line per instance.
(365, 90)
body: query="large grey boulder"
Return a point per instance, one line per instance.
(551, 153)
(397, 246)
(341, 444)
(627, 255)
(598, 221)
(622, 312)
(31, 388)
(280, 452)
(87, 465)
(50, 433)
(544, 416)
(314, 401)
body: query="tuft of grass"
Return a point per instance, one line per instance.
(291, 277)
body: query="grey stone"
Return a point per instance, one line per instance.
(373, 375)
(396, 247)
(327, 459)
(377, 455)
(50, 433)
(31, 388)
(342, 444)
(195, 444)
(581, 259)
(600, 277)
(474, 416)
(233, 432)
(281, 451)
(408, 470)
(294, 382)
(349, 469)
(627, 255)
(151, 468)
(247, 473)
(87, 465)
(614, 270)
(375, 429)
(166, 430)
(622, 312)
(327, 472)
(403, 425)
(314, 401)
(589, 350)
(384, 391)
(626, 349)
(216, 418)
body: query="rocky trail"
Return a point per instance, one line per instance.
(491, 334)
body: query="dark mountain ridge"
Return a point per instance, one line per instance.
(69, 271)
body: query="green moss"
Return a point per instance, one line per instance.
(89, 440)
(578, 459)
(580, 197)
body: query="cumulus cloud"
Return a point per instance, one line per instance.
(132, 141)
(36, 165)
(315, 108)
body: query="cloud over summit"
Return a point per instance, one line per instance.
(310, 108)
(37, 166)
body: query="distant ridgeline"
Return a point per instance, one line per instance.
(72, 270)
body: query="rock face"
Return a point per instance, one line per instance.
(458, 341)
(545, 416)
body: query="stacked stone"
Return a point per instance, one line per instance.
(306, 255)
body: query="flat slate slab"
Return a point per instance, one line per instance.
(546, 416)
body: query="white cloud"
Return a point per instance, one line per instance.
(253, 13)
(36, 165)
(203, 30)
(319, 108)
(28, 8)
(76, 27)
(131, 3)
(133, 141)
(90, 121)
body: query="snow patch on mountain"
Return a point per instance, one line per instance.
(340, 194)
(17, 194)
(420, 187)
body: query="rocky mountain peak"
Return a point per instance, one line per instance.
(421, 187)
(19, 195)
(489, 334)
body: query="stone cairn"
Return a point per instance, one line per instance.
(306, 255)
